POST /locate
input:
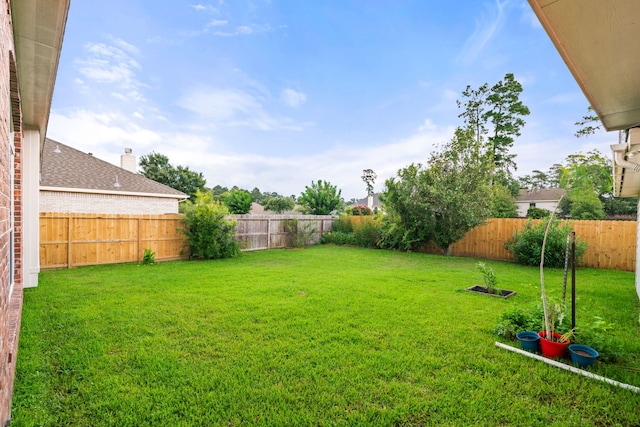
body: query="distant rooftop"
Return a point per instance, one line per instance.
(540, 194)
(72, 169)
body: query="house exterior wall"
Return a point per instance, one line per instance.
(10, 297)
(68, 202)
(523, 206)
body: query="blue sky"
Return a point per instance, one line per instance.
(276, 93)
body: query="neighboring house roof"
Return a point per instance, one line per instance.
(71, 169)
(363, 202)
(256, 208)
(540, 195)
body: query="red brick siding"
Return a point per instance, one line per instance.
(10, 305)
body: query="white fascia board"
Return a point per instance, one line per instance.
(112, 193)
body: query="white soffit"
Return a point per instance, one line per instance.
(38, 29)
(599, 41)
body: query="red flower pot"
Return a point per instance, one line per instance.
(552, 348)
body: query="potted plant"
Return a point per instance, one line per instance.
(490, 283)
(553, 343)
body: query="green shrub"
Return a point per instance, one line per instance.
(338, 238)
(299, 234)
(209, 233)
(367, 234)
(149, 257)
(526, 245)
(517, 320)
(361, 211)
(598, 335)
(537, 213)
(489, 278)
(342, 224)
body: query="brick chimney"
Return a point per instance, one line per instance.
(128, 161)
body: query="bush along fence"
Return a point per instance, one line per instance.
(72, 240)
(69, 240)
(611, 244)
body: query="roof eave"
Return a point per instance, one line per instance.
(38, 31)
(597, 40)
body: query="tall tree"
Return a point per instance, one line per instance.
(156, 166)
(439, 202)
(369, 177)
(495, 116)
(321, 198)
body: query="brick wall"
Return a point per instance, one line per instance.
(10, 302)
(64, 202)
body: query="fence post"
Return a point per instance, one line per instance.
(69, 222)
(138, 255)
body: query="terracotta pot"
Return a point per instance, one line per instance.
(551, 348)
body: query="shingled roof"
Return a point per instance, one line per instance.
(540, 194)
(73, 169)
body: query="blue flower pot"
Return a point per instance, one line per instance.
(529, 341)
(582, 355)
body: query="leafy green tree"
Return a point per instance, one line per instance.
(613, 206)
(586, 178)
(539, 213)
(583, 175)
(441, 202)
(238, 201)
(156, 166)
(503, 204)
(497, 114)
(585, 204)
(278, 204)
(218, 191)
(257, 195)
(209, 233)
(321, 198)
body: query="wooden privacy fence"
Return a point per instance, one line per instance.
(612, 244)
(69, 240)
(269, 231)
(72, 240)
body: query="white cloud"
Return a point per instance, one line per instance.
(427, 126)
(487, 26)
(112, 65)
(217, 23)
(234, 107)
(107, 134)
(293, 98)
(204, 8)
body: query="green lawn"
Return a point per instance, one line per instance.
(321, 336)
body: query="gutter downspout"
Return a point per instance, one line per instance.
(618, 155)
